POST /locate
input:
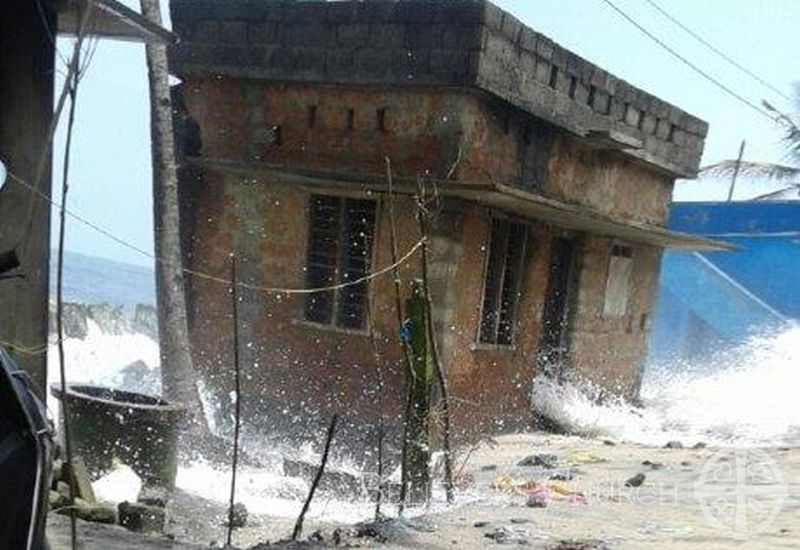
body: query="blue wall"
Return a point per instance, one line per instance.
(714, 299)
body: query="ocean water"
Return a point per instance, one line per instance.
(742, 396)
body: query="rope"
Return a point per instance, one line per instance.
(195, 273)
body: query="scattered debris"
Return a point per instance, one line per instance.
(480, 524)
(153, 495)
(536, 501)
(685, 463)
(609, 442)
(587, 544)
(489, 468)
(583, 457)
(519, 521)
(548, 461)
(239, 516)
(78, 475)
(699, 445)
(141, 518)
(635, 481)
(509, 535)
(335, 482)
(673, 445)
(652, 465)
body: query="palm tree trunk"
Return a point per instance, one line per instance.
(177, 372)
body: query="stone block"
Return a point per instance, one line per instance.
(632, 115)
(648, 124)
(511, 28)
(390, 35)
(407, 65)
(460, 11)
(309, 34)
(340, 62)
(416, 12)
(545, 47)
(376, 12)
(462, 36)
(662, 128)
(306, 12)
(373, 64)
(267, 32)
(344, 12)
(233, 32)
(206, 31)
(141, 518)
(527, 40)
(449, 61)
(353, 34)
(493, 17)
(424, 36)
(77, 474)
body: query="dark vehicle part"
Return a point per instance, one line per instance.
(26, 447)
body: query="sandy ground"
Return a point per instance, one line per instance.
(692, 498)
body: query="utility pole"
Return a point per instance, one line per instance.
(177, 372)
(736, 171)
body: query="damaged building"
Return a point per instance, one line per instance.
(553, 181)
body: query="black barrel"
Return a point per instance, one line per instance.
(140, 430)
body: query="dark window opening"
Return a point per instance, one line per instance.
(592, 93)
(381, 119)
(672, 129)
(339, 250)
(351, 119)
(573, 85)
(553, 76)
(312, 116)
(504, 268)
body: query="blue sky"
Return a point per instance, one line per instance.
(110, 183)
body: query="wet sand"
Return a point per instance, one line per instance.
(705, 498)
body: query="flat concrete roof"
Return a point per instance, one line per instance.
(463, 43)
(113, 20)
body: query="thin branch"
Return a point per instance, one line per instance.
(437, 361)
(238, 393)
(404, 341)
(298, 527)
(73, 94)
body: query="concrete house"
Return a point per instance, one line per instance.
(554, 180)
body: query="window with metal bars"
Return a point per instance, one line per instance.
(339, 250)
(504, 268)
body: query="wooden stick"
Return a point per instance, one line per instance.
(437, 362)
(237, 390)
(298, 527)
(72, 87)
(406, 348)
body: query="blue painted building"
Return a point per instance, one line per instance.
(711, 300)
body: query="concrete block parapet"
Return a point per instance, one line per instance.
(469, 43)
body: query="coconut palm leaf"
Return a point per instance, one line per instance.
(760, 170)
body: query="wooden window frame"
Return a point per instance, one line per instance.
(495, 338)
(335, 313)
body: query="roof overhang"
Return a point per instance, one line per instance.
(111, 19)
(520, 202)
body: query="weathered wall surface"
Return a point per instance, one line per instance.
(26, 104)
(610, 351)
(310, 371)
